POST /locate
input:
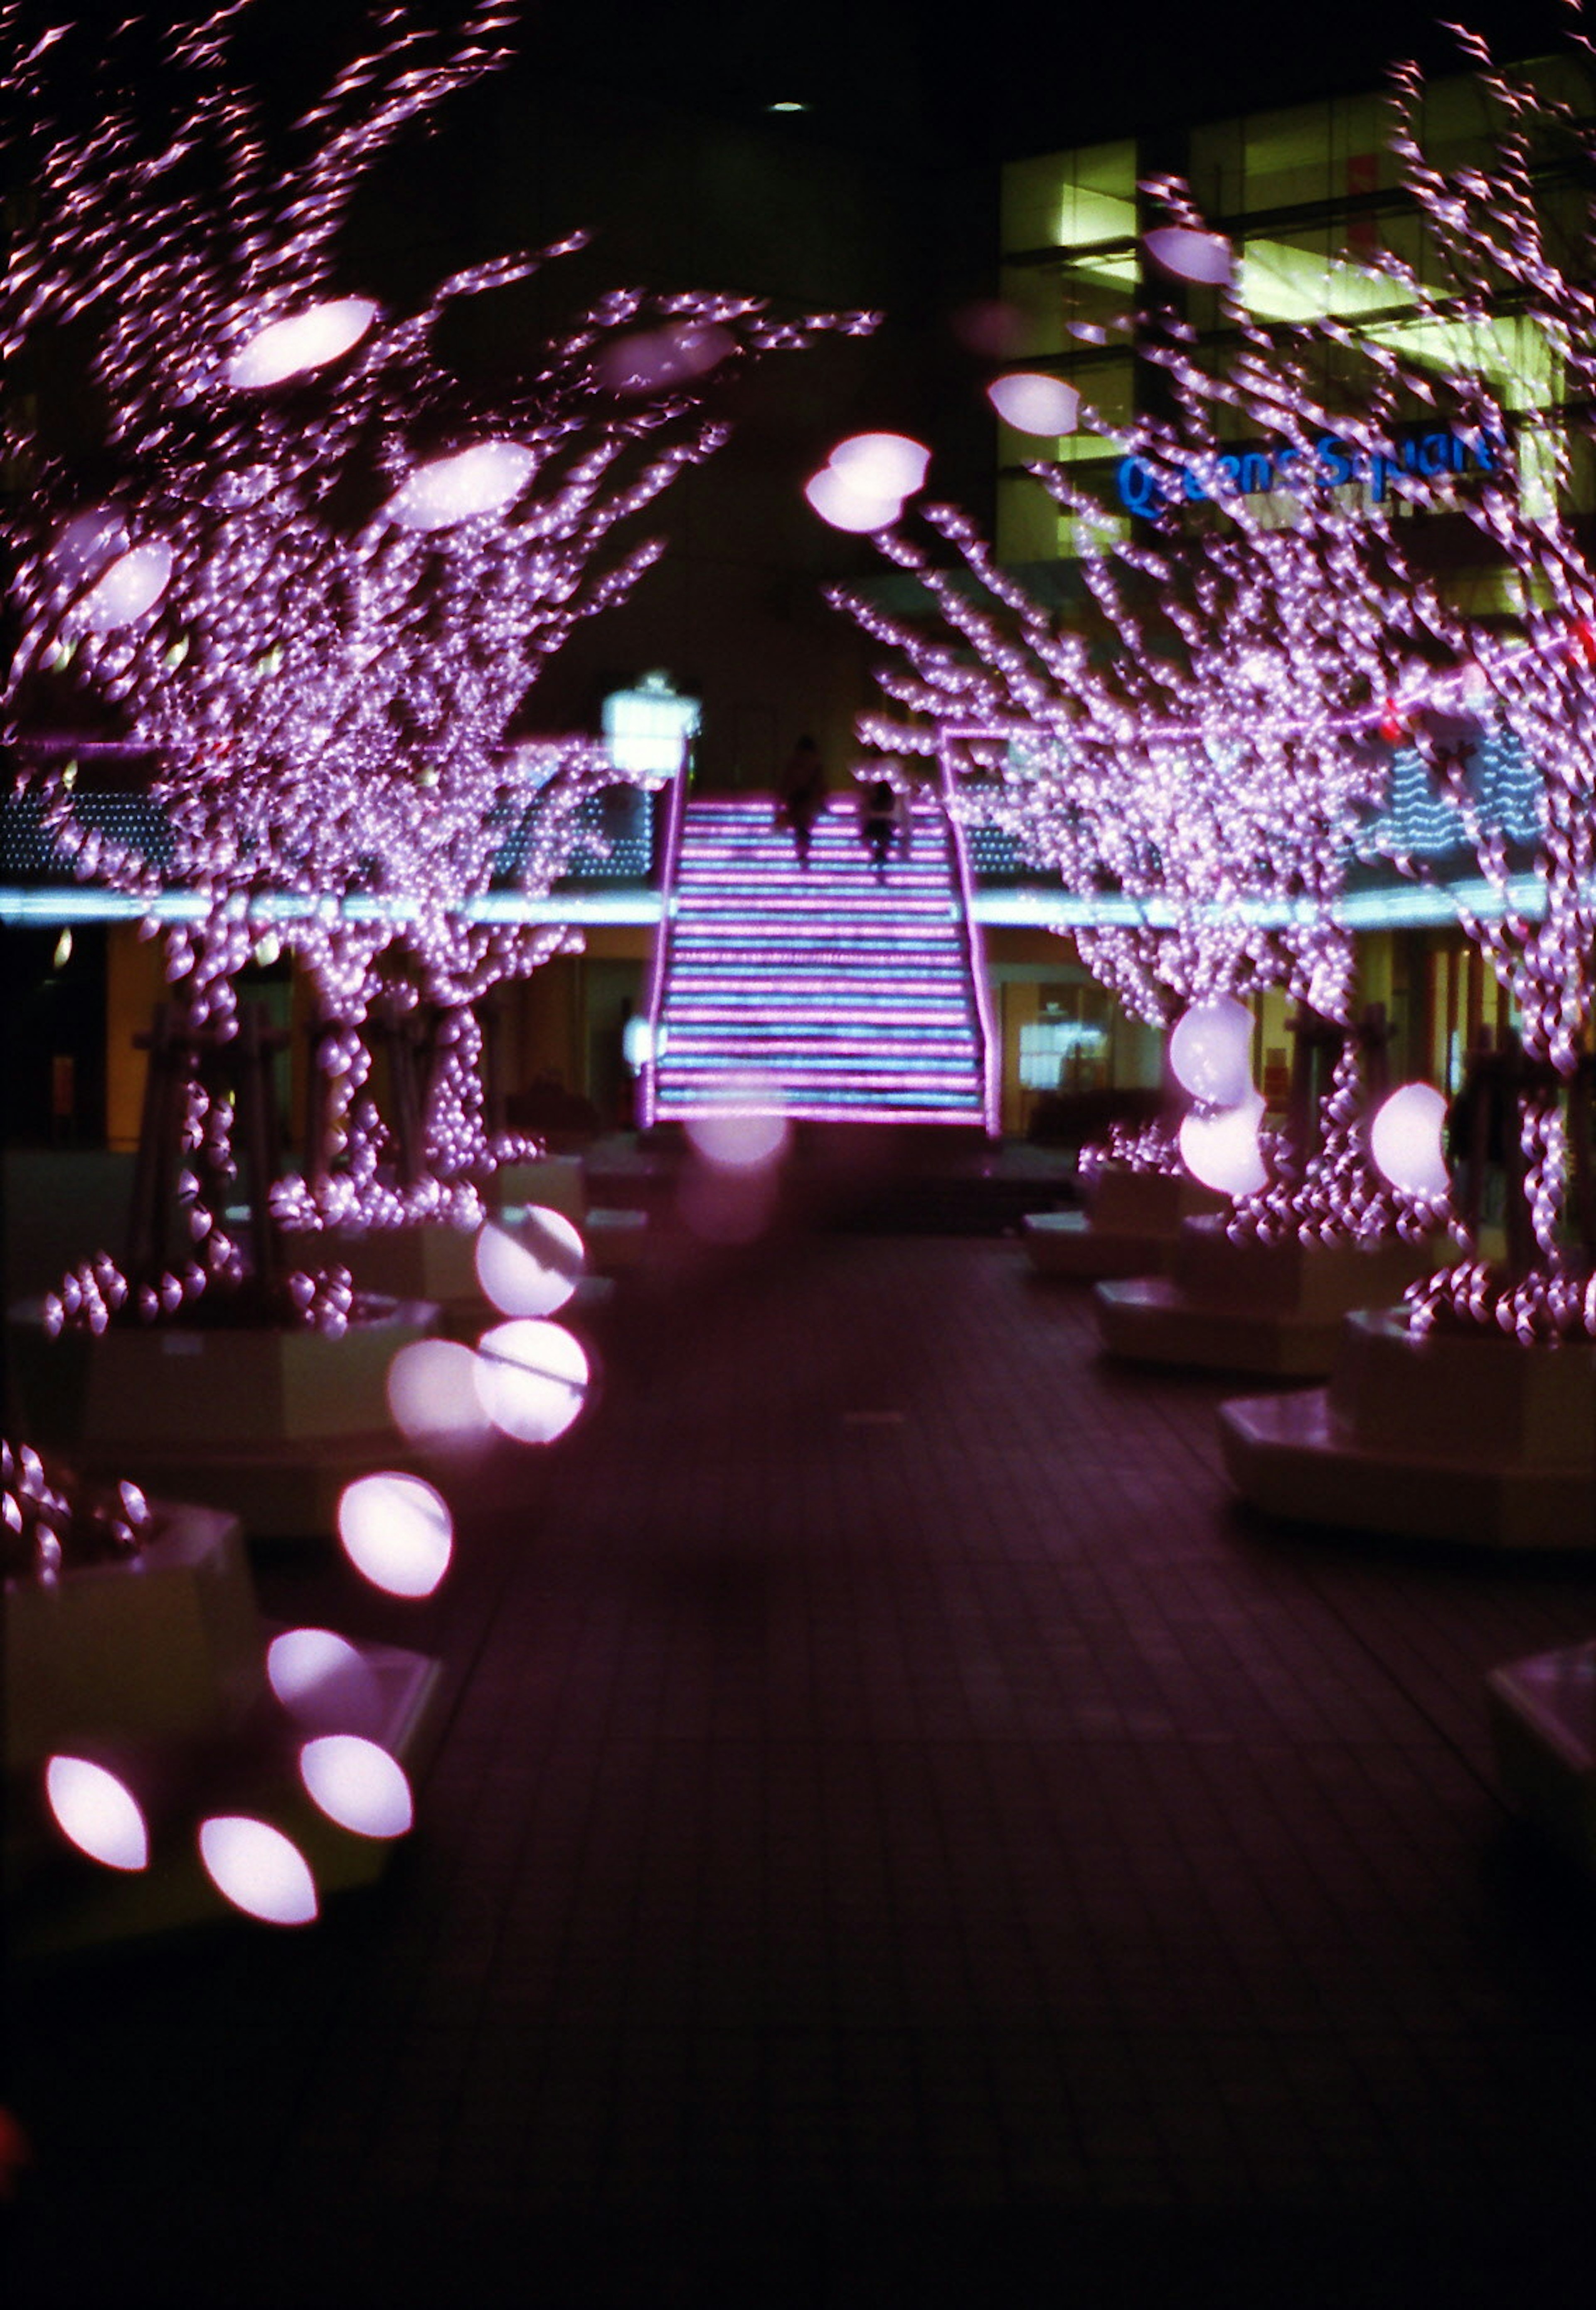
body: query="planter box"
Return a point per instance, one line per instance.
(1543, 1726)
(1130, 1226)
(1275, 1309)
(170, 1644)
(1458, 1437)
(268, 1424)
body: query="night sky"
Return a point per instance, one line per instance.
(1030, 75)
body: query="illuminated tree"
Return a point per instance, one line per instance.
(1504, 316)
(1182, 757)
(307, 563)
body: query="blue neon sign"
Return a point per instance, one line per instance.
(1335, 465)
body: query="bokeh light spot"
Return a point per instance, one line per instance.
(397, 1531)
(533, 1270)
(432, 1391)
(1222, 1151)
(97, 1812)
(746, 1130)
(133, 583)
(323, 1681)
(1033, 403)
(358, 1784)
(1210, 1052)
(1206, 258)
(534, 1378)
(257, 1869)
(481, 480)
(838, 501)
(1405, 1140)
(301, 342)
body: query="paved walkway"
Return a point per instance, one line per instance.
(897, 1834)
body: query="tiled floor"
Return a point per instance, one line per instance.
(898, 1835)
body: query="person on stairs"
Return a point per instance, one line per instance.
(879, 824)
(802, 796)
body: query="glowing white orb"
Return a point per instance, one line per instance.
(534, 1271)
(300, 342)
(357, 1784)
(257, 1869)
(746, 1131)
(133, 584)
(1406, 1140)
(476, 480)
(882, 464)
(1033, 403)
(98, 1813)
(838, 501)
(397, 1531)
(323, 1681)
(432, 1391)
(534, 1378)
(1204, 257)
(1210, 1052)
(1222, 1151)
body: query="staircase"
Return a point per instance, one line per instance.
(851, 999)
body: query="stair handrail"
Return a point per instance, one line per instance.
(948, 736)
(675, 811)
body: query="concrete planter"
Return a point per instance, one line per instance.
(1131, 1226)
(1275, 1309)
(269, 1424)
(1543, 1727)
(1464, 1437)
(168, 1644)
(159, 1662)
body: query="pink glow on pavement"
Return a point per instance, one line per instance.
(97, 1812)
(258, 1870)
(358, 1784)
(397, 1531)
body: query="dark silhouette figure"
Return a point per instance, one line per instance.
(802, 796)
(878, 824)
